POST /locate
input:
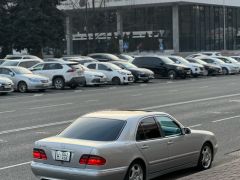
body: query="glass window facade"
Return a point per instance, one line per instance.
(202, 28)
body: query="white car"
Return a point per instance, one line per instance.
(26, 63)
(226, 67)
(196, 69)
(60, 73)
(237, 58)
(114, 74)
(24, 80)
(229, 60)
(17, 57)
(6, 85)
(93, 77)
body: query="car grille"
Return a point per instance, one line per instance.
(98, 76)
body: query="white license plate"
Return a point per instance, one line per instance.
(8, 86)
(62, 156)
(130, 79)
(188, 72)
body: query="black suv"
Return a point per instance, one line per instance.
(162, 66)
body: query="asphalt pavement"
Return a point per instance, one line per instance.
(211, 103)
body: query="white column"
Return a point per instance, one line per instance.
(175, 26)
(120, 29)
(69, 36)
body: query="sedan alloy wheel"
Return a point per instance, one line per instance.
(135, 172)
(206, 157)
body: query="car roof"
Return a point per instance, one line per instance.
(122, 114)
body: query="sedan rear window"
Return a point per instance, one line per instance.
(94, 129)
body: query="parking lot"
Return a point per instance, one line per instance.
(208, 103)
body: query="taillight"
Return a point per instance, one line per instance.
(92, 160)
(39, 154)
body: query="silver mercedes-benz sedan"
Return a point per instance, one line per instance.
(122, 145)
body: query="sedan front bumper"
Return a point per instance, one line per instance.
(38, 85)
(51, 172)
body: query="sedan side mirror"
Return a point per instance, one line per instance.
(187, 130)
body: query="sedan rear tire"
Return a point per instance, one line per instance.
(206, 157)
(135, 172)
(22, 87)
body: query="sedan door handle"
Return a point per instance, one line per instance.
(170, 142)
(144, 147)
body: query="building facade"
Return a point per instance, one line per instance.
(179, 25)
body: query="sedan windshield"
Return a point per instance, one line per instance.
(20, 70)
(94, 129)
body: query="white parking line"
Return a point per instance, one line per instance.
(35, 127)
(7, 111)
(203, 87)
(92, 100)
(189, 102)
(197, 125)
(225, 119)
(54, 105)
(136, 95)
(16, 165)
(37, 95)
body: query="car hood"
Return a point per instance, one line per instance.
(196, 65)
(5, 80)
(141, 70)
(213, 66)
(178, 65)
(125, 71)
(35, 76)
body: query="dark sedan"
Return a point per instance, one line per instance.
(140, 74)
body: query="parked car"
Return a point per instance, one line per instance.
(229, 60)
(139, 74)
(194, 55)
(60, 73)
(114, 74)
(17, 57)
(196, 69)
(237, 58)
(162, 66)
(209, 69)
(226, 67)
(6, 85)
(122, 145)
(125, 57)
(26, 63)
(24, 80)
(104, 57)
(93, 77)
(2, 61)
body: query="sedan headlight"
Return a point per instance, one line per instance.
(34, 80)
